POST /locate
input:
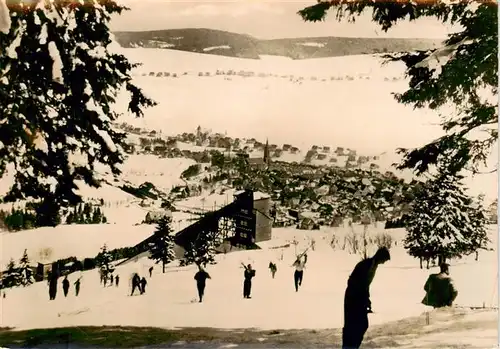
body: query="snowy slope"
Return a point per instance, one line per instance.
(318, 304)
(64, 241)
(341, 101)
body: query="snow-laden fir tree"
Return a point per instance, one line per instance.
(443, 221)
(25, 270)
(104, 260)
(202, 251)
(479, 239)
(59, 83)
(12, 276)
(461, 74)
(162, 248)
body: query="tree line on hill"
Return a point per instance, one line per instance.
(31, 217)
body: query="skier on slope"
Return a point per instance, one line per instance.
(136, 280)
(151, 272)
(247, 284)
(53, 285)
(77, 286)
(357, 304)
(143, 285)
(65, 285)
(117, 280)
(439, 288)
(299, 264)
(273, 268)
(201, 276)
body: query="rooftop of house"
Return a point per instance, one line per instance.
(257, 195)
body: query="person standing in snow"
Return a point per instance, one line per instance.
(150, 272)
(77, 287)
(65, 285)
(117, 280)
(143, 285)
(201, 277)
(53, 286)
(111, 280)
(357, 304)
(439, 288)
(298, 275)
(136, 280)
(247, 284)
(105, 279)
(273, 268)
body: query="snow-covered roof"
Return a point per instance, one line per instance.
(257, 195)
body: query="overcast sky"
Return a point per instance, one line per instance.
(263, 19)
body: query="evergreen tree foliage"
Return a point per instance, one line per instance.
(11, 277)
(104, 261)
(444, 221)
(59, 82)
(479, 239)
(162, 249)
(466, 77)
(25, 270)
(202, 251)
(85, 214)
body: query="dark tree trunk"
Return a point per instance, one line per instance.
(427, 260)
(163, 265)
(477, 256)
(421, 263)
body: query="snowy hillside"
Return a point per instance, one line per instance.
(245, 46)
(324, 283)
(343, 101)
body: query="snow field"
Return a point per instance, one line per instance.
(396, 292)
(64, 241)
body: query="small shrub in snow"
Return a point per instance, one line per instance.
(383, 240)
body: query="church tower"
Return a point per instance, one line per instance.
(267, 158)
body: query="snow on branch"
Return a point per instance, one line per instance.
(4, 17)
(57, 65)
(439, 57)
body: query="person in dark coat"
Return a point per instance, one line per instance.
(53, 286)
(357, 303)
(111, 279)
(65, 285)
(136, 280)
(299, 264)
(151, 272)
(117, 280)
(247, 284)
(439, 288)
(273, 268)
(201, 277)
(143, 285)
(77, 287)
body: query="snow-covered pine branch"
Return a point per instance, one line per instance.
(58, 86)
